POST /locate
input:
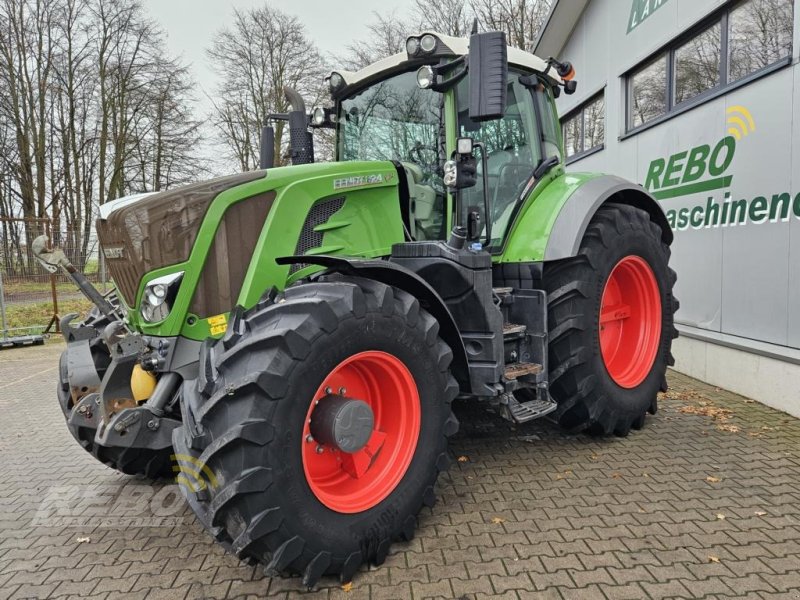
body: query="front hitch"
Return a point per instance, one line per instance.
(53, 258)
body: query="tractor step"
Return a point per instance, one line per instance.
(518, 370)
(522, 412)
(513, 330)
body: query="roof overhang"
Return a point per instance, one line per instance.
(448, 47)
(559, 25)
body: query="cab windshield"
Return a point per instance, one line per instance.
(396, 120)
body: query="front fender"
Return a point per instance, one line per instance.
(408, 281)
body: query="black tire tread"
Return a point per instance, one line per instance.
(581, 405)
(294, 320)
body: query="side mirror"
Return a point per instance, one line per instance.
(460, 172)
(488, 75)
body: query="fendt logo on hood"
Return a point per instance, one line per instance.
(707, 168)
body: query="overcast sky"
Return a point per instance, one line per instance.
(191, 24)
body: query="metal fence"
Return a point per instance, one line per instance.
(32, 301)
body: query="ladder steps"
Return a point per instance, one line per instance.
(521, 369)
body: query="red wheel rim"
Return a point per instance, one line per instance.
(352, 483)
(630, 321)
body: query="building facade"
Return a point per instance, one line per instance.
(699, 101)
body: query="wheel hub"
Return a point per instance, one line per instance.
(358, 444)
(342, 423)
(630, 321)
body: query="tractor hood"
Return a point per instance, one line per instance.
(222, 236)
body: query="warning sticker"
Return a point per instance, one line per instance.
(218, 324)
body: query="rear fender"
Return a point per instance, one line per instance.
(576, 213)
(408, 281)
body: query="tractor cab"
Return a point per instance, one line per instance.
(413, 108)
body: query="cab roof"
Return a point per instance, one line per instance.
(447, 46)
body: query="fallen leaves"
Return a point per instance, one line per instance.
(707, 409)
(347, 587)
(712, 479)
(616, 475)
(713, 559)
(759, 513)
(717, 413)
(463, 459)
(728, 427)
(498, 520)
(83, 540)
(720, 516)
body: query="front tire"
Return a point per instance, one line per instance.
(610, 318)
(283, 498)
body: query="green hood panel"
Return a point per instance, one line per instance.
(366, 223)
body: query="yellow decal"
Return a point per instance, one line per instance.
(741, 122)
(218, 324)
(192, 473)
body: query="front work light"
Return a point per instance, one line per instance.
(412, 46)
(450, 177)
(427, 43)
(425, 76)
(335, 81)
(318, 116)
(158, 296)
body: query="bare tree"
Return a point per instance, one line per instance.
(261, 53)
(522, 20)
(166, 134)
(450, 17)
(91, 108)
(387, 35)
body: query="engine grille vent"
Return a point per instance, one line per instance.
(319, 214)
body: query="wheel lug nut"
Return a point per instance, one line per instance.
(328, 390)
(342, 391)
(309, 438)
(320, 449)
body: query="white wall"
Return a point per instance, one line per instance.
(742, 282)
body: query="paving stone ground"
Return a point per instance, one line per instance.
(694, 505)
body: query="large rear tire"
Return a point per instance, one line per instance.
(279, 495)
(610, 318)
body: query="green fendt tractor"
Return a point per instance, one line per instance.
(289, 341)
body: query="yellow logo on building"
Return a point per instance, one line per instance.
(741, 122)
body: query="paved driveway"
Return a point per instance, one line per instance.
(703, 502)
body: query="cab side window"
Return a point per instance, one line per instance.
(513, 150)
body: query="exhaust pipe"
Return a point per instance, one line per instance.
(301, 142)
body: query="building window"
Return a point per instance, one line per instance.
(697, 64)
(584, 128)
(740, 40)
(648, 92)
(759, 34)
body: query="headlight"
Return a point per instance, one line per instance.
(412, 46)
(335, 81)
(425, 76)
(158, 296)
(427, 43)
(450, 177)
(318, 116)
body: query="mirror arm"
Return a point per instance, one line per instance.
(450, 83)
